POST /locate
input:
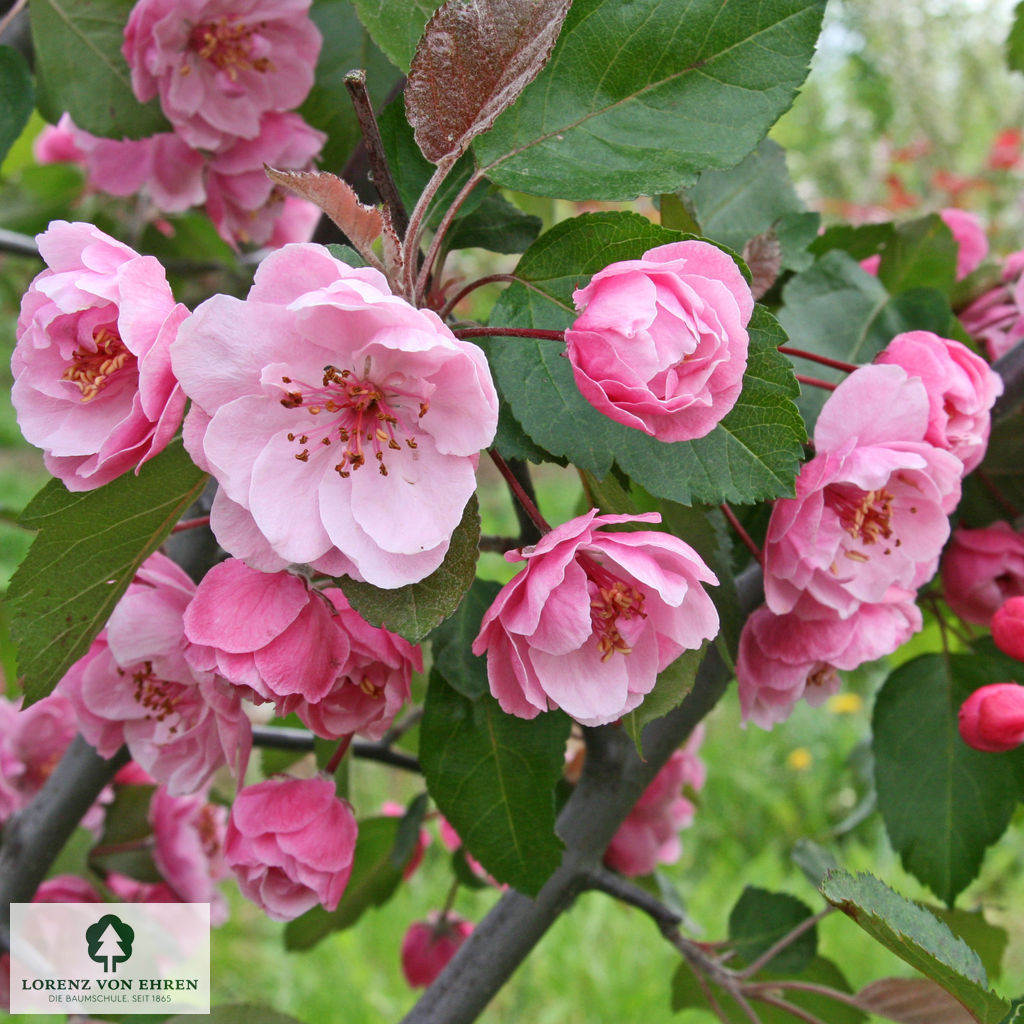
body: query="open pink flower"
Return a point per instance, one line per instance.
(996, 319)
(429, 945)
(593, 618)
(136, 687)
(661, 342)
(342, 424)
(970, 238)
(871, 507)
(992, 718)
(219, 65)
(93, 385)
(56, 143)
(290, 844)
(981, 569)
(961, 388)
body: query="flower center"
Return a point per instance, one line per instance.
(91, 369)
(363, 416)
(227, 44)
(867, 516)
(611, 599)
(155, 694)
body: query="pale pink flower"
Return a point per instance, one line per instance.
(961, 388)
(996, 318)
(871, 507)
(219, 65)
(981, 569)
(56, 143)
(324, 405)
(290, 844)
(783, 658)
(1008, 628)
(661, 342)
(268, 632)
(296, 222)
(649, 835)
(136, 687)
(371, 687)
(93, 385)
(593, 618)
(429, 945)
(992, 718)
(243, 203)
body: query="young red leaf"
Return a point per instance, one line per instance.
(472, 63)
(912, 1001)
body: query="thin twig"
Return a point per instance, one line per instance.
(741, 532)
(814, 357)
(284, 738)
(791, 1008)
(445, 311)
(754, 989)
(6, 20)
(190, 524)
(508, 332)
(1001, 500)
(519, 491)
(776, 947)
(816, 382)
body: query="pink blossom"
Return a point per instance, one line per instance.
(661, 342)
(188, 836)
(371, 687)
(56, 143)
(136, 687)
(268, 632)
(243, 203)
(961, 391)
(285, 388)
(996, 318)
(290, 844)
(981, 569)
(649, 836)
(296, 222)
(429, 945)
(1008, 628)
(992, 718)
(219, 65)
(131, 890)
(785, 657)
(93, 385)
(871, 507)
(593, 618)
(66, 889)
(970, 239)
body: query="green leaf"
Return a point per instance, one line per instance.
(989, 941)
(858, 241)
(414, 610)
(493, 777)
(376, 873)
(346, 254)
(496, 225)
(921, 254)
(1016, 1014)
(1015, 40)
(760, 918)
(814, 860)
(126, 845)
(233, 1013)
(918, 938)
(89, 546)
(80, 68)
(16, 88)
(671, 686)
(943, 803)
(1001, 476)
(396, 28)
(679, 92)
(462, 670)
(346, 47)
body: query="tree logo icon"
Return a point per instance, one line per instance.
(110, 941)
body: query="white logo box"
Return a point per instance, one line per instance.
(119, 957)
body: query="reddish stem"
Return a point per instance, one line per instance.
(517, 489)
(816, 382)
(748, 541)
(836, 364)
(343, 745)
(190, 524)
(445, 311)
(507, 332)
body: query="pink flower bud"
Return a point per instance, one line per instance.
(429, 945)
(992, 718)
(1008, 628)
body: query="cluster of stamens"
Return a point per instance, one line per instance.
(154, 694)
(362, 416)
(90, 370)
(370, 688)
(227, 44)
(612, 599)
(866, 516)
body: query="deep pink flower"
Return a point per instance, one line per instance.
(981, 569)
(66, 889)
(992, 718)
(56, 143)
(1008, 628)
(996, 318)
(649, 836)
(661, 342)
(429, 945)
(871, 507)
(290, 844)
(136, 687)
(93, 385)
(342, 424)
(961, 388)
(243, 203)
(269, 632)
(593, 618)
(219, 65)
